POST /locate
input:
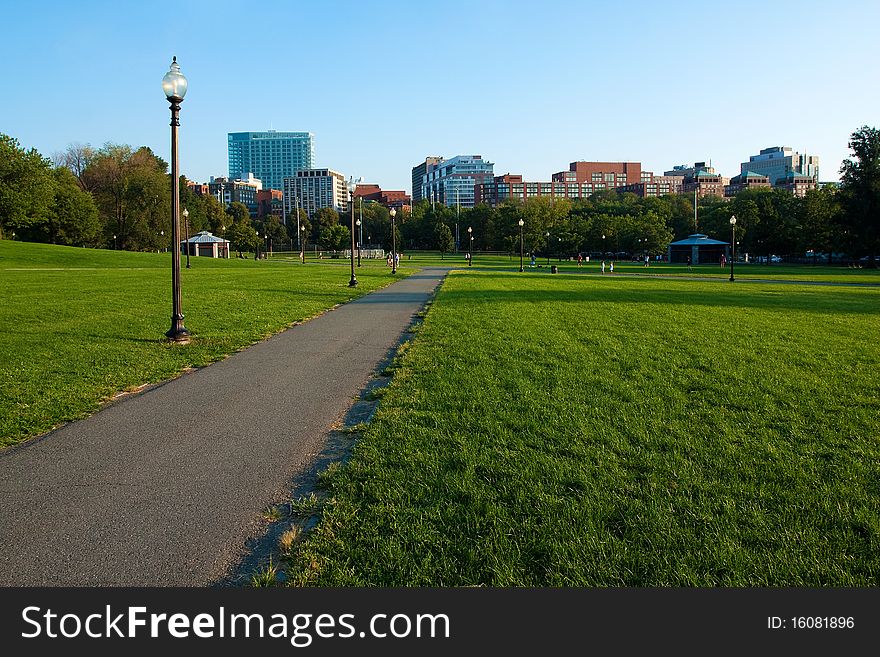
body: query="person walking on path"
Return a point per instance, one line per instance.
(397, 260)
(611, 267)
(580, 259)
(603, 266)
(689, 263)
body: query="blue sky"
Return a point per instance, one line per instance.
(530, 86)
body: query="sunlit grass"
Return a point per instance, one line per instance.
(571, 430)
(80, 325)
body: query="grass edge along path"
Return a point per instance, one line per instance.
(79, 327)
(565, 432)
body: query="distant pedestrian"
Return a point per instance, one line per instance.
(533, 260)
(397, 260)
(603, 266)
(611, 267)
(647, 260)
(723, 261)
(580, 259)
(388, 260)
(689, 263)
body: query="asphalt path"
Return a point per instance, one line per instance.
(165, 488)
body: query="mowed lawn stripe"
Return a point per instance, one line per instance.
(570, 430)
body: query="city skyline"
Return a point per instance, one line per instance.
(384, 86)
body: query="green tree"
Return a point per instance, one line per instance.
(860, 193)
(821, 217)
(73, 218)
(334, 237)
(242, 237)
(443, 238)
(238, 213)
(27, 187)
(133, 194)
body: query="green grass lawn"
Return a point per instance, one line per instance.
(585, 431)
(80, 325)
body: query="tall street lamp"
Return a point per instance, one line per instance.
(360, 228)
(521, 245)
(352, 185)
(603, 247)
(360, 234)
(186, 228)
(732, 243)
(302, 244)
(115, 247)
(174, 85)
(393, 212)
(547, 236)
(470, 245)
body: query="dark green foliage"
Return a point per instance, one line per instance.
(860, 193)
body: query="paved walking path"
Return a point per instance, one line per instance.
(165, 487)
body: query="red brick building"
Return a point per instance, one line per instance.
(270, 202)
(390, 199)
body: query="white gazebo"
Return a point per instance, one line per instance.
(205, 244)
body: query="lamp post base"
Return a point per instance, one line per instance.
(178, 333)
(353, 282)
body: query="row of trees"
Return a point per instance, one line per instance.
(119, 197)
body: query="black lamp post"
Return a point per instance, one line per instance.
(732, 244)
(359, 241)
(393, 212)
(470, 245)
(547, 235)
(521, 245)
(360, 228)
(603, 247)
(186, 228)
(174, 85)
(352, 185)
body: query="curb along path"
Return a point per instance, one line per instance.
(164, 488)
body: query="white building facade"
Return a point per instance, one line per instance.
(313, 189)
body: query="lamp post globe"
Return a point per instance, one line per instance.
(393, 213)
(732, 244)
(521, 245)
(174, 85)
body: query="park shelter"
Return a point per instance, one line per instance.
(205, 244)
(701, 249)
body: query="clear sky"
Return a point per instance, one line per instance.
(531, 86)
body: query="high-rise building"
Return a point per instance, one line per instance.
(313, 189)
(270, 156)
(451, 182)
(418, 176)
(778, 162)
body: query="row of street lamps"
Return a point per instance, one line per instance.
(174, 84)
